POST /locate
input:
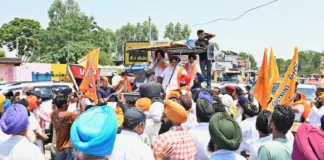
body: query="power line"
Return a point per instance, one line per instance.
(234, 19)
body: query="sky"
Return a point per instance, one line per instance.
(280, 25)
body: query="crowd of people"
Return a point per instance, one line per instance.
(175, 118)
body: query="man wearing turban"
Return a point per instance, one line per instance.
(249, 131)
(183, 142)
(204, 111)
(171, 75)
(128, 144)
(226, 137)
(192, 67)
(93, 133)
(15, 122)
(144, 104)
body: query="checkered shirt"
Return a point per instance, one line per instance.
(184, 144)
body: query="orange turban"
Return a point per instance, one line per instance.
(143, 103)
(32, 102)
(175, 94)
(175, 112)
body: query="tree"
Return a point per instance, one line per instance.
(2, 53)
(216, 45)
(251, 59)
(177, 32)
(130, 32)
(281, 65)
(71, 31)
(20, 30)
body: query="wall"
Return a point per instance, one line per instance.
(6, 72)
(24, 71)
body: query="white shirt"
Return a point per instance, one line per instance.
(72, 108)
(129, 146)
(190, 66)
(166, 75)
(202, 137)
(18, 148)
(249, 134)
(255, 147)
(315, 115)
(298, 115)
(152, 129)
(85, 102)
(191, 121)
(158, 69)
(3, 136)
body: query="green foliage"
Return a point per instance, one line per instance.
(309, 63)
(130, 32)
(21, 30)
(251, 58)
(177, 32)
(216, 46)
(2, 53)
(71, 31)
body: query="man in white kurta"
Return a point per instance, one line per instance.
(15, 122)
(167, 73)
(192, 67)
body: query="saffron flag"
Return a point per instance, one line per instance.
(273, 73)
(83, 61)
(261, 87)
(286, 91)
(88, 84)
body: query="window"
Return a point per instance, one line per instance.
(43, 91)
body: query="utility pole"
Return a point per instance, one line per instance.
(150, 32)
(67, 63)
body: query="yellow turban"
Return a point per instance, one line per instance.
(175, 112)
(2, 101)
(144, 104)
(174, 94)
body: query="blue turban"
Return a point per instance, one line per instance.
(94, 131)
(6, 104)
(175, 58)
(14, 119)
(66, 91)
(242, 100)
(200, 77)
(206, 96)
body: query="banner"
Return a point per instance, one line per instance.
(89, 82)
(273, 73)
(137, 57)
(79, 72)
(286, 90)
(261, 87)
(59, 72)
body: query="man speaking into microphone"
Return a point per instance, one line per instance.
(203, 41)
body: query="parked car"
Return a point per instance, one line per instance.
(43, 89)
(308, 89)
